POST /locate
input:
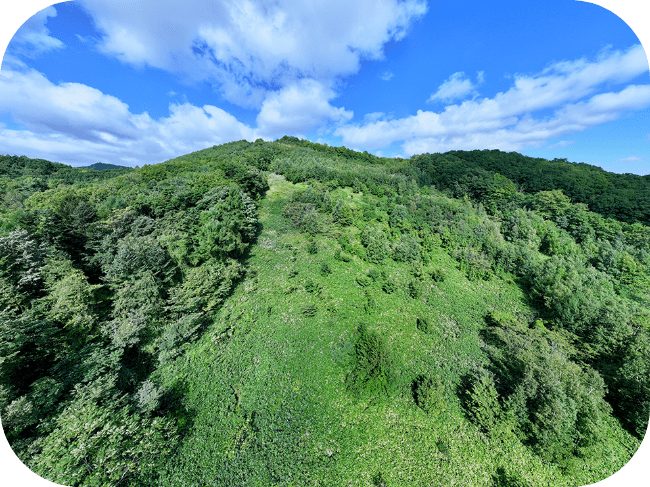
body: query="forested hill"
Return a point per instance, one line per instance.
(625, 197)
(289, 313)
(40, 171)
(102, 166)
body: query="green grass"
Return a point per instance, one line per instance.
(267, 388)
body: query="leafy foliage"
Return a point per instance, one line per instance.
(428, 393)
(372, 370)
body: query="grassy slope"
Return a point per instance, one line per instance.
(267, 383)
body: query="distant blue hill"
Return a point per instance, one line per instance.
(100, 166)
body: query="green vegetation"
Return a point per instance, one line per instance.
(288, 313)
(495, 177)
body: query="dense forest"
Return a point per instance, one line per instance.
(289, 313)
(625, 197)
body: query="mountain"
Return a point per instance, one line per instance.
(292, 313)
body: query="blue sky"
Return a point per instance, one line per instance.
(122, 82)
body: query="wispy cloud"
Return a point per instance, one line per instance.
(560, 144)
(387, 76)
(33, 38)
(633, 159)
(507, 121)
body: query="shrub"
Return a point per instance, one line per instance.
(423, 325)
(417, 270)
(342, 256)
(399, 217)
(304, 217)
(374, 274)
(428, 393)
(312, 286)
(378, 480)
(501, 318)
(359, 251)
(309, 310)
(483, 406)
(228, 223)
(438, 274)
(414, 289)
(176, 333)
(407, 250)
(363, 281)
(389, 286)
(312, 248)
(372, 371)
(205, 287)
(370, 303)
(476, 265)
(376, 244)
(320, 199)
(325, 269)
(342, 214)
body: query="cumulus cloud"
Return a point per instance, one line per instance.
(33, 38)
(387, 76)
(456, 87)
(252, 48)
(373, 117)
(283, 58)
(299, 108)
(506, 121)
(74, 123)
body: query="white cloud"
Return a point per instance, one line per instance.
(284, 59)
(456, 87)
(387, 76)
(74, 123)
(72, 108)
(251, 48)
(373, 117)
(560, 144)
(33, 38)
(633, 159)
(299, 108)
(506, 121)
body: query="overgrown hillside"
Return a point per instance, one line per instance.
(289, 313)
